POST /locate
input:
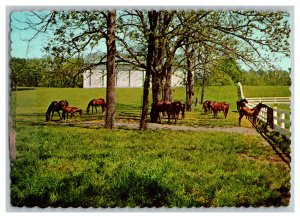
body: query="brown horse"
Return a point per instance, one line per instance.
(95, 103)
(161, 106)
(241, 103)
(71, 110)
(250, 112)
(55, 107)
(207, 107)
(177, 107)
(218, 107)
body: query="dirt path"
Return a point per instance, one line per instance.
(242, 130)
(250, 131)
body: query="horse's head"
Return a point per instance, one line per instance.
(47, 117)
(87, 109)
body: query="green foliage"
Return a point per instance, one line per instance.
(46, 72)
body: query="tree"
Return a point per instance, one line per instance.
(79, 32)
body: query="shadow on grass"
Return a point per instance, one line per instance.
(24, 89)
(276, 145)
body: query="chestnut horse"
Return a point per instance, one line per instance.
(95, 103)
(241, 103)
(219, 106)
(55, 107)
(250, 112)
(71, 110)
(161, 106)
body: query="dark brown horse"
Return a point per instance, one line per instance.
(55, 107)
(95, 103)
(218, 107)
(71, 110)
(158, 107)
(206, 106)
(250, 112)
(177, 107)
(241, 103)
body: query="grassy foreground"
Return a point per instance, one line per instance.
(65, 166)
(88, 167)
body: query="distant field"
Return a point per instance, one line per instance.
(32, 104)
(63, 166)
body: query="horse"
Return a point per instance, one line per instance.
(218, 107)
(63, 103)
(241, 103)
(206, 106)
(161, 106)
(71, 110)
(95, 103)
(53, 107)
(250, 112)
(177, 107)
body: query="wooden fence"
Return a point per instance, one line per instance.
(281, 118)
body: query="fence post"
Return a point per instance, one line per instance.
(275, 115)
(282, 122)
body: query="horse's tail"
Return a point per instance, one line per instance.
(182, 110)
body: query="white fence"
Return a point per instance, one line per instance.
(281, 118)
(273, 100)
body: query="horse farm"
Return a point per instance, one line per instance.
(202, 161)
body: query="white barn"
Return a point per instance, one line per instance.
(126, 77)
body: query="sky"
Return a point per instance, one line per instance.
(23, 49)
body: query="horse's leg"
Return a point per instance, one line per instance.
(59, 115)
(96, 109)
(52, 115)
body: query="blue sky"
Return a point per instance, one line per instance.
(23, 49)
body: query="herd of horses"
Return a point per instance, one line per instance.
(63, 106)
(159, 109)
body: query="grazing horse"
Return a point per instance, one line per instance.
(53, 107)
(178, 107)
(71, 110)
(219, 106)
(95, 103)
(206, 106)
(241, 103)
(250, 112)
(161, 106)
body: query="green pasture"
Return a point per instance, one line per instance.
(89, 166)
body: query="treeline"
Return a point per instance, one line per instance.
(45, 72)
(50, 73)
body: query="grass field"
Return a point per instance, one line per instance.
(63, 166)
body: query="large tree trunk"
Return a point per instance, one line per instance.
(190, 79)
(153, 15)
(167, 86)
(111, 70)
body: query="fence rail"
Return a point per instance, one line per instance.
(281, 118)
(271, 100)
